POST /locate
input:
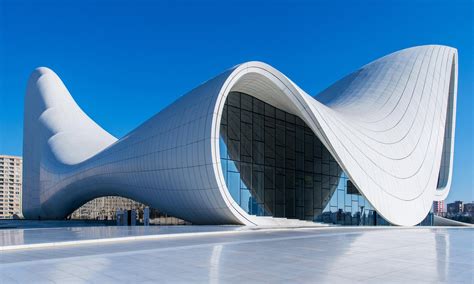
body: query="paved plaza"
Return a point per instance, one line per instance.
(305, 255)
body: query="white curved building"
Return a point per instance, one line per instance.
(250, 143)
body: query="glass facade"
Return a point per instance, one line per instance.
(274, 165)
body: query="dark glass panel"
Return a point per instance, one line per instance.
(290, 118)
(280, 134)
(290, 179)
(257, 185)
(290, 126)
(280, 180)
(279, 210)
(290, 164)
(233, 148)
(299, 161)
(299, 142)
(290, 145)
(269, 178)
(334, 169)
(269, 142)
(247, 159)
(258, 152)
(224, 116)
(233, 99)
(258, 106)
(300, 213)
(233, 117)
(246, 116)
(269, 110)
(299, 121)
(325, 167)
(326, 155)
(299, 196)
(308, 147)
(318, 177)
(246, 102)
(318, 153)
(317, 195)
(325, 182)
(290, 202)
(318, 167)
(279, 114)
(257, 127)
(280, 192)
(308, 203)
(246, 140)
(308, 180)
(351, 189)
(269, 201)
(246, 175)
(269, 121)
(269, 161)
(280, 157)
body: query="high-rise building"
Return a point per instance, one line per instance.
(455, 207)
(439, 207)
(10, 186)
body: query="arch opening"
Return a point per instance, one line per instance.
(105, 208)
(274, 165)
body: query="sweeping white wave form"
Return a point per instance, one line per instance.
(390, 125)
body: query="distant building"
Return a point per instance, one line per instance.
(10, 186)
(455, 208)
(439, 207)
(105, 208)
(469, 209)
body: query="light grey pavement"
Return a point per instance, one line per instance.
(325, 255)
(18, 237)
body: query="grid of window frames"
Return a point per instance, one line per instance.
(274, 165)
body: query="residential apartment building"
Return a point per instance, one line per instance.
(455, 208)
(469, 208)
(439, 207)
(10, 186)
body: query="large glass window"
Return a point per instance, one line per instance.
(274, 165)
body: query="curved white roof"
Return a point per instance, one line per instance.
(390, 126)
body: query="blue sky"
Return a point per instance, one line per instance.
(124, 61)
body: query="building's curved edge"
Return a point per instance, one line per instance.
(281, 93)
(57, 134)
(450, 131)
(292, 99)
(388, 203)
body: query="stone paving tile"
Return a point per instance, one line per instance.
(417, 255)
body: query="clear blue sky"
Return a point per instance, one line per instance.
(124, 61)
